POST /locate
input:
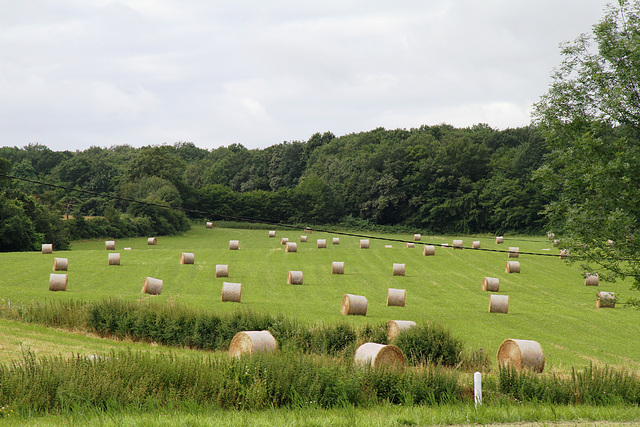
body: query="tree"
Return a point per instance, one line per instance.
(591, 120)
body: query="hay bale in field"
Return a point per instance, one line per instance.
(127, 249)
(209, 224)
(606, 300)
(417, 237)
(396, 297)
(303, 239)
(337, 267)
(491, 284)
(364, 243)
(152, 286)
(354, 305)
(388, 246)
(428, 250)
(58, 282)
(379, 355)
(60, 264)
(291, 247)
(222, 270)
(521, 354)
(110, 245)
(591, 279)
(272, 233)
(499, 304)
(114, 258)
(336, 240)
(322, 243)
(284, 240)
(234, 245)
(411, 245)
(564, 253)
(556, 242)
(152, 241)
(499, 240)
(514, 252)
(249, 342)
(398, 269)
(444, 245)
(294, 278)
(512, 267)
(550, 235)
(307, 230)
(47, 248)
(397, 326)
(457, 244)
(187, 258)
(231, 292)
(475, 244)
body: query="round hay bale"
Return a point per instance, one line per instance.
(110, 245)
(58, 282)
(512, 267)
(337, 267)
(284, 240)
(307, 230)
(336, 240)
(564, 253)
(388, 246)
(475, 244)
(398, 269)
(514, 252)
(209, 224)
(397, 326)
(322, 243)
(457, 244)
(272, 233)
(222, 270)
(396, 297)
(411, 245)
(114, 258)
(550, 235)
(291, 247)
(152, 286)
(606, 300)
(521, 354)
(428, 250)
(152, 241)
(231, 292)
(353, 305)
(249, 342)
(234, 245)
(127, 249)
(294, 278)
(47, 248)
(499, 304)
(591, 279)
(364, 243)
(379, 355)
(444, 245)
(187, 258)
(417, 237)
(499, 240)
(556, 242)
(303, 239)
(491, 284)
(60, 264)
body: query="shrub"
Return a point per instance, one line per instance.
(430, 343)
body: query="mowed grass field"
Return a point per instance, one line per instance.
(548, 301)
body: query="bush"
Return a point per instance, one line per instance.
(430, 343)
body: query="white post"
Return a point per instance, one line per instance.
(477, 388)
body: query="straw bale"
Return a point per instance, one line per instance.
(512, 267)
(291, 247)
(556, 242)
(428, 250)
(58, 282)
(322, 243)
(491, 284)
(499, 304)
(514, 252)
(521, 354)
(411, 245)
(564, 253)
(417, 237)
(606, 300)
(272, 233)
(114, 258)
(222, 270)
(388, 246)
(47, 248)
(475, 244)
(284, 240)
(336, 240)
(294, 278)
(444, 245)
(307, 230)
(379, 355)
(110, 245)
(591, 279)
(187, 258)
(303, 239)
(249, 342)
(337, 267)
(457, 244)
(60, 264)
(396, 297)
(364, 243)
(499, 239)
(353, 305)
(234, 245)
(397, 326)
(209, 224)
(152, 241)
(398, 269)
(231, 292)
(152, 286)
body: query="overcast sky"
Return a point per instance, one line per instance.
(78, 73)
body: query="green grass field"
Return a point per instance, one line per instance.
(548, 301)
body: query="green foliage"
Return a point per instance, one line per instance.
(430, 343)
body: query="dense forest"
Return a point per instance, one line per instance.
(434, 178)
